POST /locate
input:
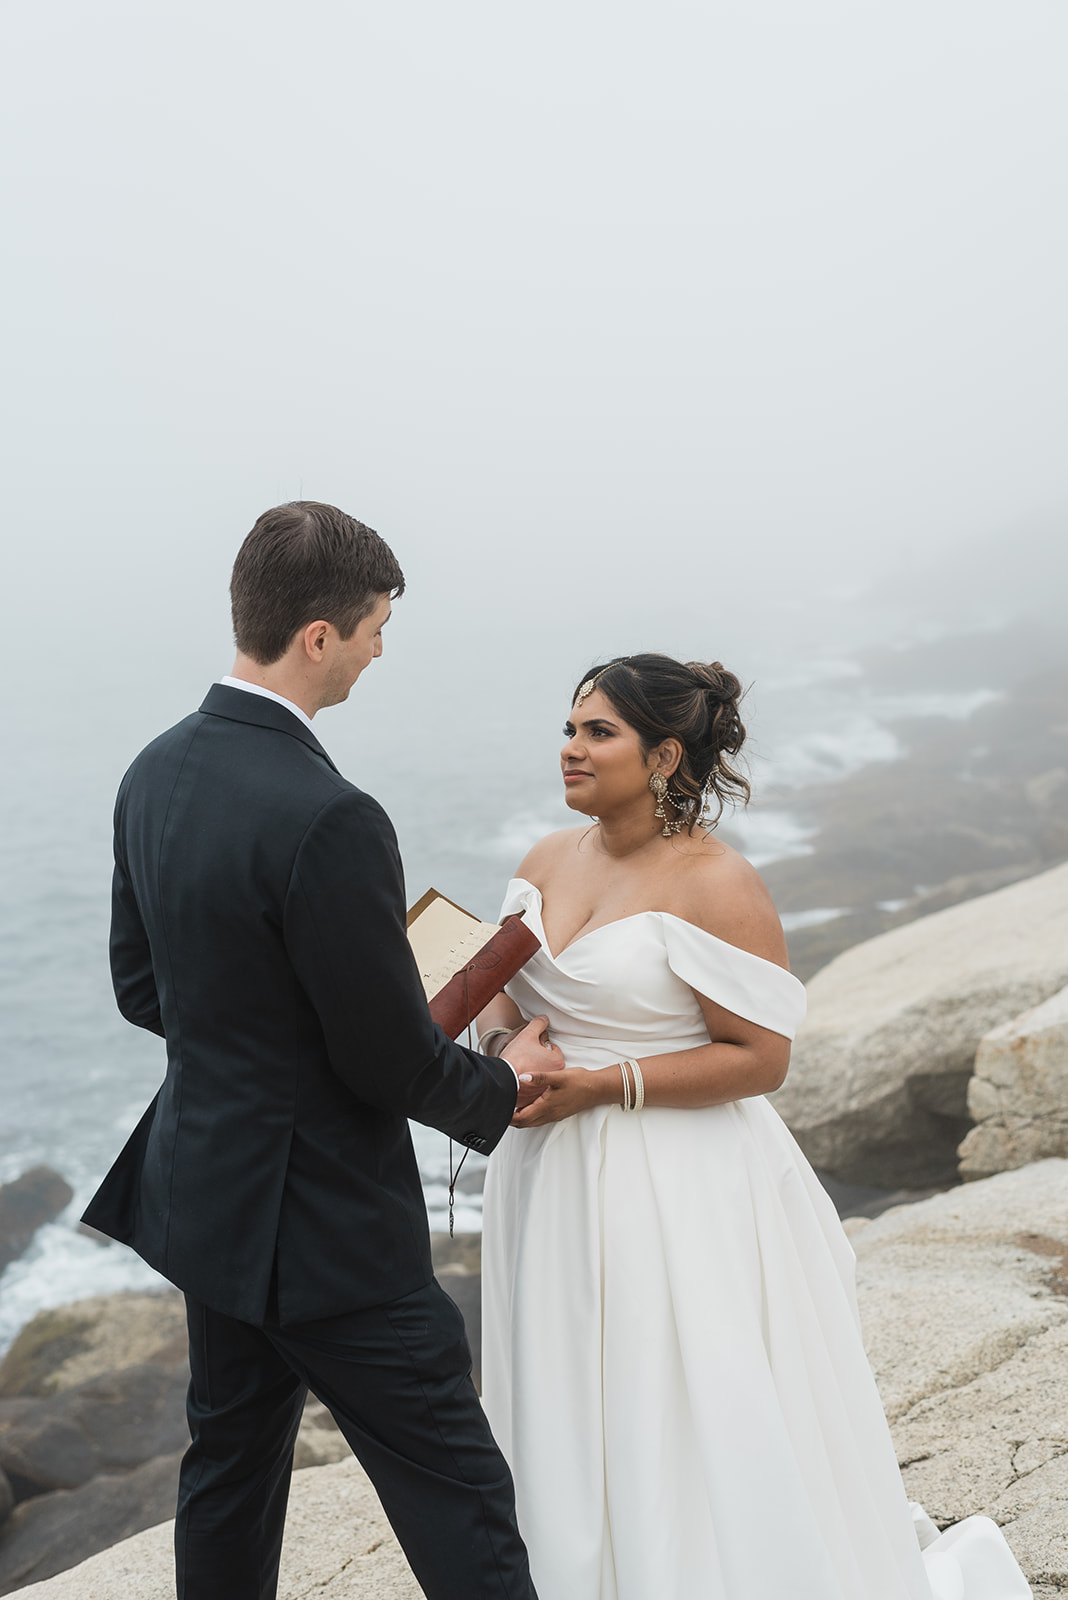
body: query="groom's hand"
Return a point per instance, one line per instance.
(530, 1052)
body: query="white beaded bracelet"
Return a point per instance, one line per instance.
(638, 1100)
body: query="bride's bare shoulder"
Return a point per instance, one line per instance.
(725, 895)
(544, 857)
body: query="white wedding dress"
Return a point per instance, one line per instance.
(672, 1360)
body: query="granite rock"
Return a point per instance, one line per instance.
(63, 1347)
(338, 1546)
(320, 1441)
(1018, 1094)
(108, 1423)
(877, 1088)
(964, 1302)
(57, 1531)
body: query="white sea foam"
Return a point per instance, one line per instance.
(770, 835)
(516, 834)
(858, 735)
(62, 1265)
(432, 1151)
(956, 704)
(467, 1211)
(832, 753)
(808, 674)
(792, 920)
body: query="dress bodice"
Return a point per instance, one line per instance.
(631, 983)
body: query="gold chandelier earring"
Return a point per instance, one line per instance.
(659, 785)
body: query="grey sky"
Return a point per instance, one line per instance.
(596, 311)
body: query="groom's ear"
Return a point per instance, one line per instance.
(313, 638)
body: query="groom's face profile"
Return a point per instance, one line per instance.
(347, 658)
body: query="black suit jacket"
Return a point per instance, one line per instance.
(259, 925)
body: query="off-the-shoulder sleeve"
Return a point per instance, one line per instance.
(517, 897)
(751, 987)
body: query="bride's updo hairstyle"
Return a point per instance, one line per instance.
(695, 702)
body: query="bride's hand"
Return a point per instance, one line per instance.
(530, 1052)
(564, 1094)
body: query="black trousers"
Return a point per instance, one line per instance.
(398, 1382)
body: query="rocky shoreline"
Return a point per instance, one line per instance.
(964, 1304)
(968, 806)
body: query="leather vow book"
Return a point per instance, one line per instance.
(462, 961)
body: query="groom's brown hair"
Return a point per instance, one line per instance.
(305, 562)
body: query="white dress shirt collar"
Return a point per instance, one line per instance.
(269, 694)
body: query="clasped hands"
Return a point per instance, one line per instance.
(549, 1090)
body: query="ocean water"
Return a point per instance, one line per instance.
(471, 783)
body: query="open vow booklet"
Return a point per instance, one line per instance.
(462, 961)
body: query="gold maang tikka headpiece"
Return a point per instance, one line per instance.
(588, 687)
(591, 683)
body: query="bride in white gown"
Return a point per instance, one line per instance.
(672, 1360)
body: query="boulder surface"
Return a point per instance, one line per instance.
(964, 1302)
(61, 1348)
(338, 1546)
(877, 1088)
(56, 1531)
(1018, 1094)
(106, 1424)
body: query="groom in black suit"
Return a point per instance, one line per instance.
(259, 927)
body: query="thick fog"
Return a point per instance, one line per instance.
(666, 324)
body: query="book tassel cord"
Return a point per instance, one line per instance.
(454, 1173)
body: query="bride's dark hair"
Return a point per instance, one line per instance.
(695, 702)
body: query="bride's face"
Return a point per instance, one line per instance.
(602, 761)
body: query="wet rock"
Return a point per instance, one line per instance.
(113, 1422)
(61, 1348)
(58, 1531)
(1018, 1093)
(25, 1205)
(877, 1088)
